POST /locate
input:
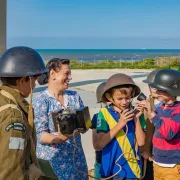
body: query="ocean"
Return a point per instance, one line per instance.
(106, 54)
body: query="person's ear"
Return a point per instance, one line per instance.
(52, 74)
(20, 82)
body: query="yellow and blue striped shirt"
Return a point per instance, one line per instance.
(107, 119)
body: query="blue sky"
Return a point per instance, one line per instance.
(94, 23)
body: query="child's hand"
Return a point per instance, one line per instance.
(145, 155)
(140, 109)
(146, 105)
(126, 116)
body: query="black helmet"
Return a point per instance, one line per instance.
(21, 62)
(150, 77)
(167, 80)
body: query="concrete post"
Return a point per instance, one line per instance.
(3, 4)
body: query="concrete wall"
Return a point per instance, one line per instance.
(2, 26)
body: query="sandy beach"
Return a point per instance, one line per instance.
(85, 83)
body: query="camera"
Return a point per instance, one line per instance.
(141, 97)
(70, 120)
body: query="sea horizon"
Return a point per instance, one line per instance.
(106, 54)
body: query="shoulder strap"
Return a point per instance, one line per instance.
(14, 106)
(30, 114)
(8, 95)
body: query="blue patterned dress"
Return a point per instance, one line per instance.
(60, 156)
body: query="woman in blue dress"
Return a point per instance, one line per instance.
(51, 145)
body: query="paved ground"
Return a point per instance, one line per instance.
(85, 82)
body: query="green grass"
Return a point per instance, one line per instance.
(149, 63)
(111, 64)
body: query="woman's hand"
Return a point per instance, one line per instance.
(60, 137)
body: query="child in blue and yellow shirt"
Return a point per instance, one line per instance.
(114, 121)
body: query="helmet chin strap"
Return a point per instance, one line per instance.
(30, 112)
(31, 123)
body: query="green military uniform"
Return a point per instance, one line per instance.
(17, 136)
(17, 151)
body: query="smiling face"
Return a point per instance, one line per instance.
(61, 77)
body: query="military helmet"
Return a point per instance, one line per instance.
(21, 62)
(120, 80)
(99, 91)
(167, 80)
(150, 77)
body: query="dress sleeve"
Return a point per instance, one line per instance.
(81, 104)
(41, 117)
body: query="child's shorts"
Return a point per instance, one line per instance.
(166, 173)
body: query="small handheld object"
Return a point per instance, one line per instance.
(70, 120)
(141, 97)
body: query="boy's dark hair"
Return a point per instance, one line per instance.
(54, 64)
(11, 81)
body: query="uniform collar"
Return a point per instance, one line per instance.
(24, 105)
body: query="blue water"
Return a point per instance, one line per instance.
(106, 54)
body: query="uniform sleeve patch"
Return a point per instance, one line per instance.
(16, 143)
(16, 126)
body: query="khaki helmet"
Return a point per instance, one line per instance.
(150, 77)
(99, 92)
(120, 79)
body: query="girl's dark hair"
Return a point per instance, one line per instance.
(54, 64)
